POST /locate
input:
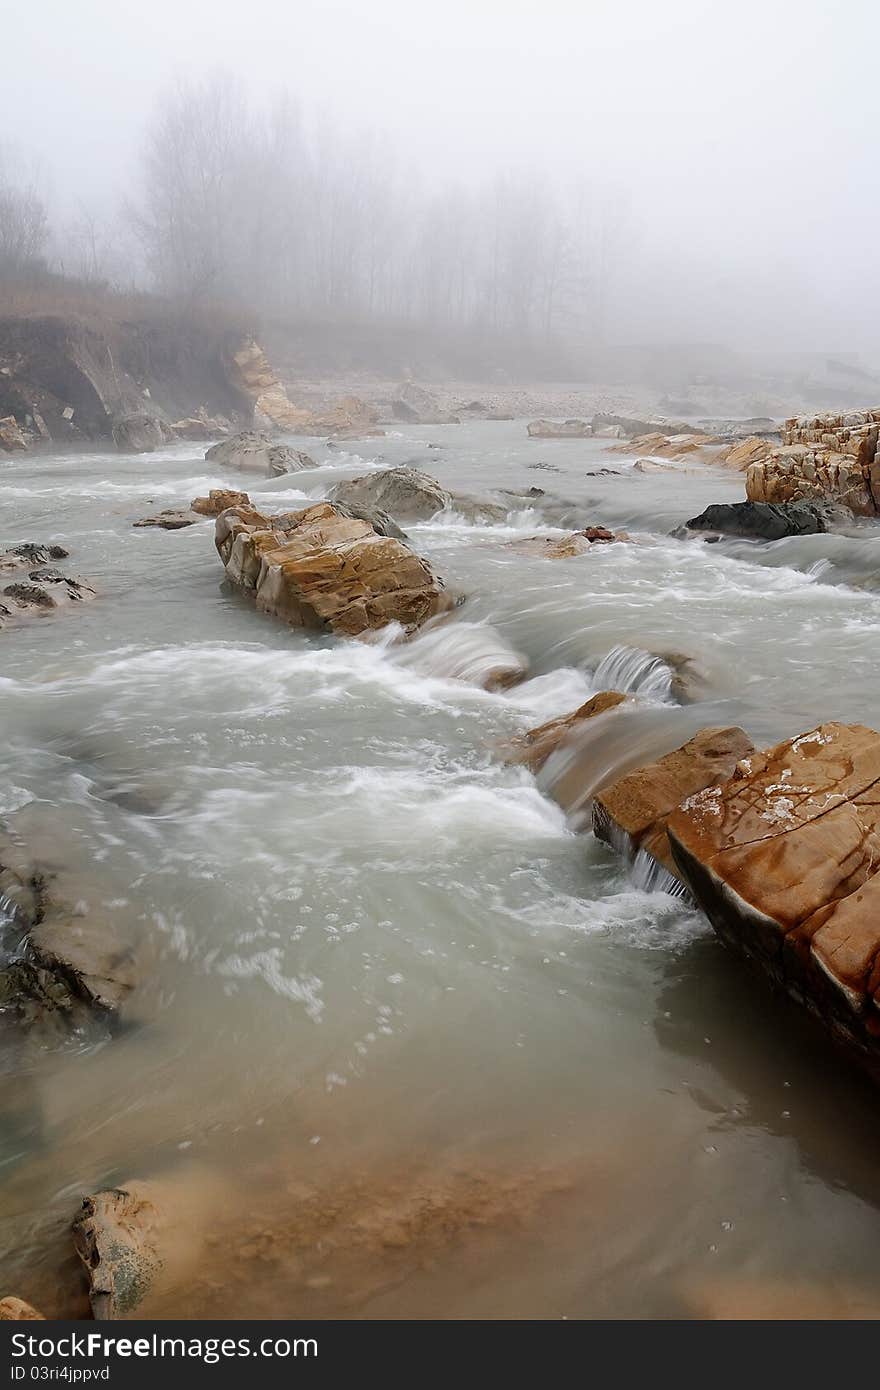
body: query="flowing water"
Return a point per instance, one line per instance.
(408, 1045)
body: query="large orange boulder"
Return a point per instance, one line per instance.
(632, 813)
(322, 568)
(784, 859)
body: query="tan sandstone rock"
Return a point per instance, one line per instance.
(272, 406)
(535, 747)
(321, 568)
(744, 453)
(632, 813)
(833, 458)
(784, 857)
(218, 500)
(564, 547)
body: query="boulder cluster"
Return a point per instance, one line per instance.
(823, 457)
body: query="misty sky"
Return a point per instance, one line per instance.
(739, 138)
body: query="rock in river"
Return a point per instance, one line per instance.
(254, 451)
(764, 521)
(322, 568)
(172, 519)
(784, 858)
(534, 748)
(117, 1236)
(632, 813)
(218, 500)
(70, 951)
(406, 493)
(35, 588)
(559, 429)
(140, 433)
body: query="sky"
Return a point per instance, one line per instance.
(741, 138)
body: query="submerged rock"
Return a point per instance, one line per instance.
(559, 429)
(322, 568)
(632, 813)
(117, 1236)
(148, 1240)
(254, 451)
(535, 747)
(218, 500)
(16, 1310)
(172, 519)
(35, 589)
(406, 493)
(784, 858)
(22, 556)
(563, 547)
(67, 952)
(762, 520)
(832, 458)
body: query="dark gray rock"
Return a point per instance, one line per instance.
(172, 519)
(766, 521)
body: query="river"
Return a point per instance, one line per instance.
(408, 1045)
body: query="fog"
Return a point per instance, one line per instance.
(720, 160)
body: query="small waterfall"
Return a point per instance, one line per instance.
(471, 652)
(651, 876)
(634, 672)
(610, 745)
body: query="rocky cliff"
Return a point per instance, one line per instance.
(65, 380)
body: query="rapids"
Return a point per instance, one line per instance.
(442, 1055)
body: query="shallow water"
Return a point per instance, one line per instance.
(407, 1044)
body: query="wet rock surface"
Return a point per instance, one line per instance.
(559, 429)
(564, 547)
(31, 585)
(783, 860)
(141, 433)
(632, 813)
(118, 1235)
(172, 519)
(407, 494)
(535, 747)
(762, 520)
(66, 952)
(218, 500)
(255, 451)
(321, 568)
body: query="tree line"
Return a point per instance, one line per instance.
(262, 208)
